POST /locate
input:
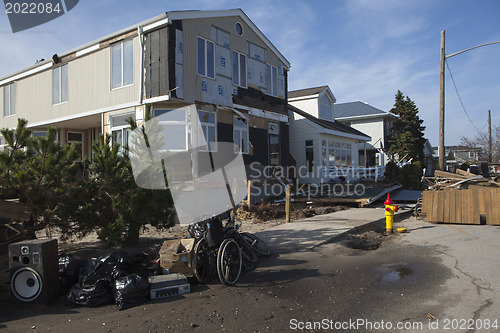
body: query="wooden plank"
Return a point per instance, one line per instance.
(451, 207)
(448, 201)
(458, 207)
(482, 208)
(444, 174)
(470, 207)
(465, 173)
(494, 207)
(434, 211)
(11, 210)
(475, 206)
(442, 202)
(425, 202)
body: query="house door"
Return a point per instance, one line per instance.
(76, 138)
(274, 144)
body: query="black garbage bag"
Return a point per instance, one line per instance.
(64, 260)
(97, 278)
(131, 290)
(95, 284)
(70, 275)
(91, 295)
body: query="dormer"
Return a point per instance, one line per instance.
(317, 101)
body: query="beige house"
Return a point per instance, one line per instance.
(218, 60)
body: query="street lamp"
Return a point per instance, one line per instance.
(441, 97)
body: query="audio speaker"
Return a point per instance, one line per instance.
(34, 271)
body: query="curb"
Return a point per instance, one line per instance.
(397, 218)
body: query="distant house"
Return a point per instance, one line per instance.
(456, 155)
(375, 123)
(321, 146)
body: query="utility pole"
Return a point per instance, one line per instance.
(441, 95)
(441, 107)
(490, 148)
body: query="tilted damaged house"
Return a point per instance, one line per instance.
(324, 149)
(218, 60)
(372, 121)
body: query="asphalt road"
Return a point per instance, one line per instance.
(435, 278)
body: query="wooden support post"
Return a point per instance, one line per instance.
(249, 193)
(288, 202)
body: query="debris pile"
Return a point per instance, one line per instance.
(461, 197)
(460, 180)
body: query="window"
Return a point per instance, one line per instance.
(336, 154)
(77, 139)
(173, 129)
(238, 28)
(239, 69)
(122, 64)
(3, 144)
(207, 140)
(8, 100)
(60, 84)
(274, 144)
(240, 135)
(206, 58)
(272, 80)
(472, 154)
(310, 155)
(120, 130)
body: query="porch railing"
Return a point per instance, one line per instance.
(349, 174)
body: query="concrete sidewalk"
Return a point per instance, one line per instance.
(303, 235)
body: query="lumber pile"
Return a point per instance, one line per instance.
(461, 197)
(461, 179)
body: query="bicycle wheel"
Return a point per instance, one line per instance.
(247, 253)
(257, 244)
(202, 264)
(229, 262)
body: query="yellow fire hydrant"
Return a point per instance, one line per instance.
(390, 209)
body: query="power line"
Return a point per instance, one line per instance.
(460, 99)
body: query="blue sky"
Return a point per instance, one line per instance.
(363, 49)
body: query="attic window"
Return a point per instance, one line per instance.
(238, 28)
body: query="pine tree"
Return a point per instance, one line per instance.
(407, 137)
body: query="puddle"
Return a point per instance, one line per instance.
(397, 274)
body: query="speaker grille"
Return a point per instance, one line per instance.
(26, 284)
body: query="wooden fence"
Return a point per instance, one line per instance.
(471, 206)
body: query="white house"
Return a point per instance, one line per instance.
(324, 149)
(375, 123)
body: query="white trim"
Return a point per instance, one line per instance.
(157, 99)
(375, 115)
(263, 114)
(238, 55)
(321, 130)
(300, 98)
(156, 24)
(245, 129)
(83, 114)
(205, 56)
(27, 73)
(87, 50)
